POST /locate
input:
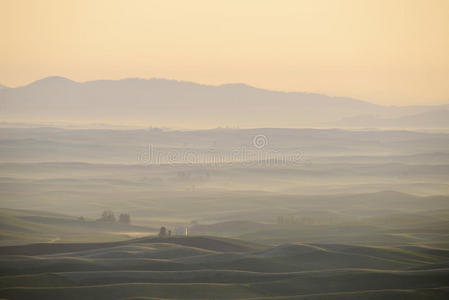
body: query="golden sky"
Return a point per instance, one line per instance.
(393, 52)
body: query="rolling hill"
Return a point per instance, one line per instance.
(25, 226)
(187, 268)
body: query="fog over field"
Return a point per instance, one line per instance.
(245, 150)
(335, 202)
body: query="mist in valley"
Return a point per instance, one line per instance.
(241, 150)
(254, 177)
(361, 202)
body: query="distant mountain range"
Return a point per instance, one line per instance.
(160, 102)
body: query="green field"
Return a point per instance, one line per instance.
(31, 226)
(201, 267)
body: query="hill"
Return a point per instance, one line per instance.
(19, 226)
(206, 243)
(187, 268)
(165, 103)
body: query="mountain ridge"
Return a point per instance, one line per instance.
(165, 102)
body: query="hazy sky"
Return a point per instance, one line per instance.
(384, 51)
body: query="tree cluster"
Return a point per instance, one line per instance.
(109, 216)
(163, 232)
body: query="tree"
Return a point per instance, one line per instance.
(107, 216)
(163, 232)
(124, 219)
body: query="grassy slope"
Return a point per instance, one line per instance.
(188, 268)
(28, 226)
(368, 282)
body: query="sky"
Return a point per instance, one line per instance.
(382, 51)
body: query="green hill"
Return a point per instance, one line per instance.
(201, 267)
(33, 226)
